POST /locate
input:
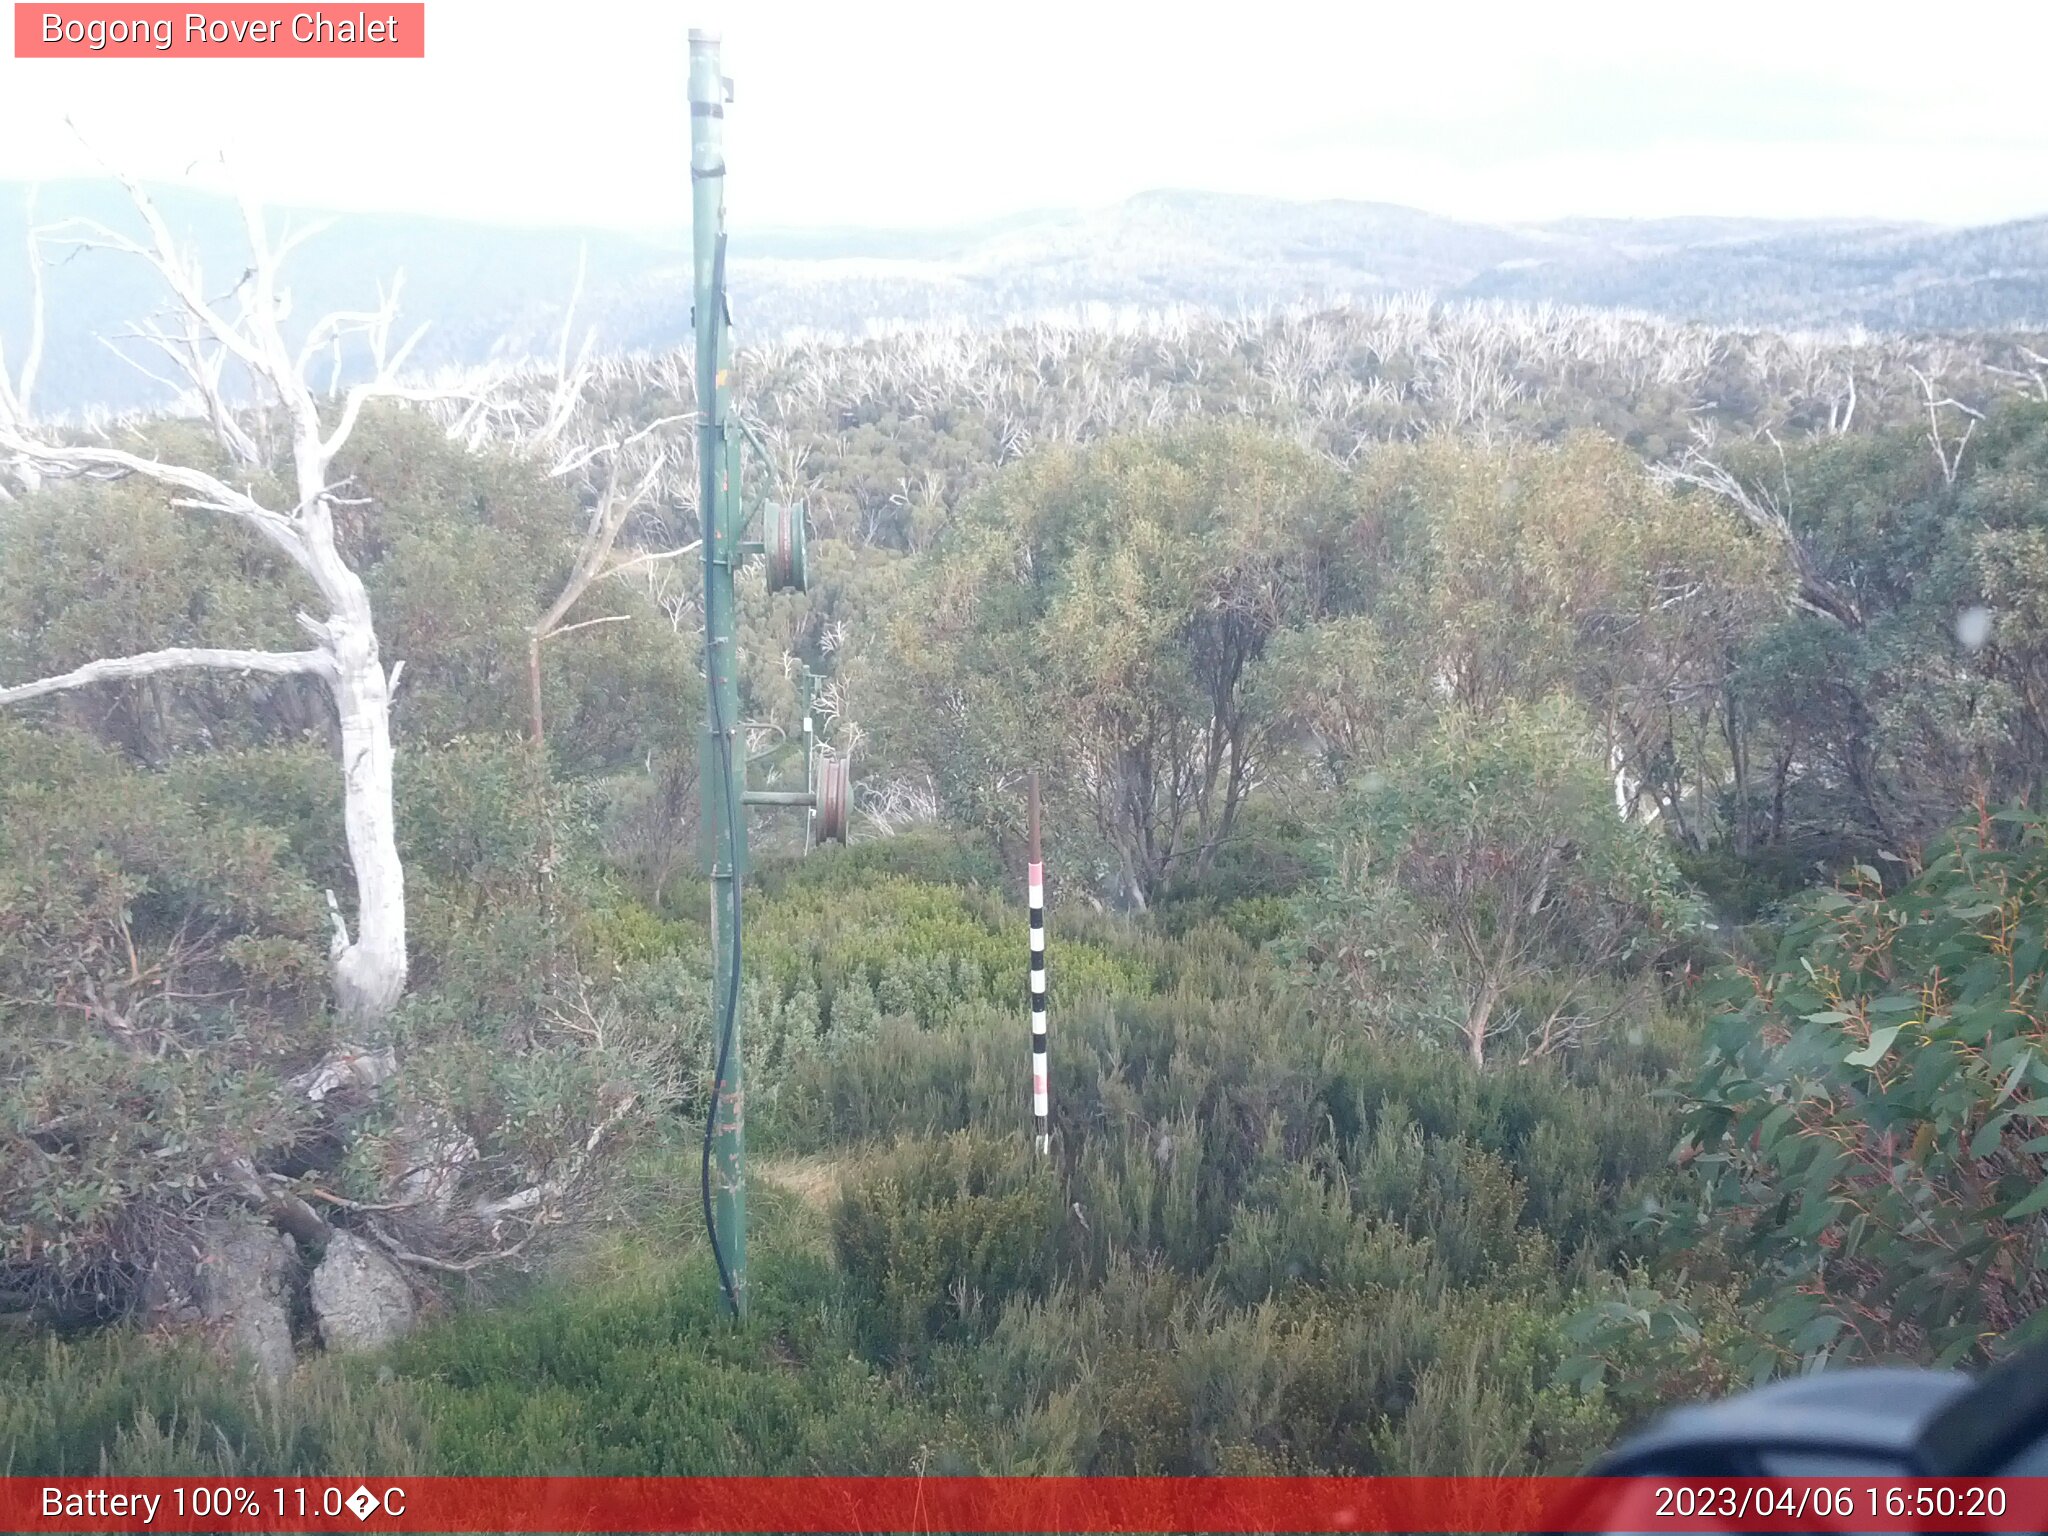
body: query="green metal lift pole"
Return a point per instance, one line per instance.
(721, 763)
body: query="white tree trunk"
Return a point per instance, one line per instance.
(370, 969)
(369, 974)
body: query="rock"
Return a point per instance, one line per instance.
(429, 1158)
(246, 1275)
(348, 1067)
(360, 1297)
(169, 1294)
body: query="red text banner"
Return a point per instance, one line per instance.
(233, 31)
(1020, 1504)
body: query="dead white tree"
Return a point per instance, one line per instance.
(1768, 512)
(555, 417)
(1948, 454)
(648, 457)
(897, 804)
(208, 340)
(17, 390)
(1842, 406)
(2032, 371)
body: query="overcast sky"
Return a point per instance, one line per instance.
(874, 112)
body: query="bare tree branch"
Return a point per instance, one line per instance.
(1768, 514)
(17, 394)
(609, 514)
(176, 658)
(570, 629)
(405, 1255)
(1949, 459)
(206, 491)
(648, 559)
(383, 387)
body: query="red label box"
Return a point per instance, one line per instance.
(378, 30)
(1131, 1506)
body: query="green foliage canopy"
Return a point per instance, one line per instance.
(1866, 1121)
(1484, 884)
(1098, 613)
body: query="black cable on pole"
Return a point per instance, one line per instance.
(731, 1008)
(730, 1011)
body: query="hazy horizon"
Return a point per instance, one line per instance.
(916, 117)
(967, 226)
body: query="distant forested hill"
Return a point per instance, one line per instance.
(493, 290)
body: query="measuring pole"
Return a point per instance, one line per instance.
(721, 764)
(1041, 1087)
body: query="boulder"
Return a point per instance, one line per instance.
(246, 1276)
(361, 1298)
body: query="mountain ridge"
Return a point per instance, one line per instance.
(499, 291)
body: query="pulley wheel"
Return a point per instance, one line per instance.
(835, 797)
(783, 541)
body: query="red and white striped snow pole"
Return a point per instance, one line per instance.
(1041, 1091)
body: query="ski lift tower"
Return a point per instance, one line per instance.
(723, 794)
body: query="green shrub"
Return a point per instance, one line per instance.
(925, 856)
(938, 1236)
(161, 969)
(1864, 1120)
(129, 1405)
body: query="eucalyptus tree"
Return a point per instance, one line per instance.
(1482, 885)
(1100, 612)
